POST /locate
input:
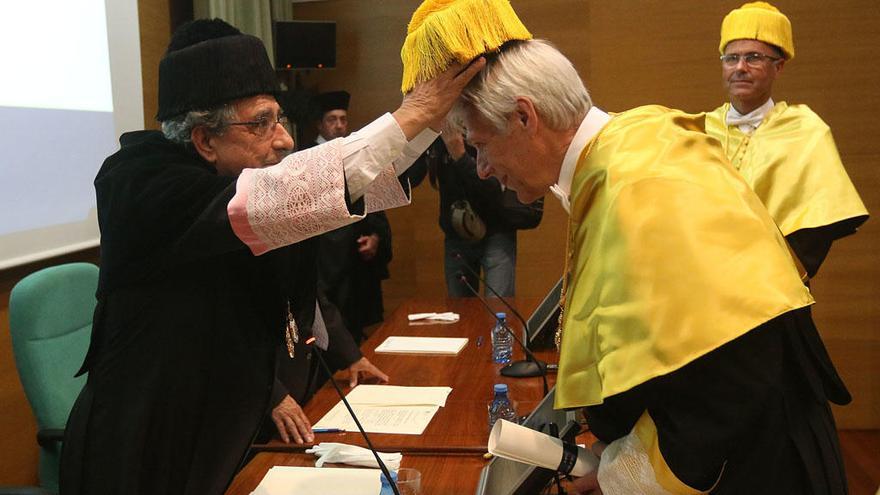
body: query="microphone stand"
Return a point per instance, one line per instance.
(520, 369)
(495, 293)
(382, 466)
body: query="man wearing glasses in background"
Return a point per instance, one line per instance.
(785, 152)
(207, 263)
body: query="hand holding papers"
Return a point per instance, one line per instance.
(388, 409)
(447, 317)
(521, 444)
(352, 454)
(422, 345)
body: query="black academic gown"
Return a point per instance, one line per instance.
(749, 417)
(188, 321)
(352, 284)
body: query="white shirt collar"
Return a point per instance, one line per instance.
(320, 139)
(591, 125)
(749, 122)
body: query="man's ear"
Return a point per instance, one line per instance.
(201, 140)
(525, 115)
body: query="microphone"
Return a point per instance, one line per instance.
(518, 369)
(317, 352)
(474, 273)
(532, 366)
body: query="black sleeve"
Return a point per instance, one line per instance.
(706, 410)
(377, 223)
(417, 172)
(482, 192)
(342, 350)
(518, 215)
(811, 246)
(279, 392)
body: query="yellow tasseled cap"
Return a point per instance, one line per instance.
(758, 21)
(443, 31)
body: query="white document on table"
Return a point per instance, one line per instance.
(289, 480)
(422, 345)
(387, 409)
(394, 395)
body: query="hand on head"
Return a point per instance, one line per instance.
(429, 101)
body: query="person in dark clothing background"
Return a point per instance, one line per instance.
(353, 260)
(208, 262)
(479, 218)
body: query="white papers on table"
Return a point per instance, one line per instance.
(393, 395)
(521, 444)
(288, 480)
(422, 345)
(388, 409)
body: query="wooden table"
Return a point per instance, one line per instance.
(462, 425)
(441, 474)
(449, 452)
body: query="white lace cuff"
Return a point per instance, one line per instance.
(300, 197)
(625, 469)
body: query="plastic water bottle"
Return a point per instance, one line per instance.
(386, 486)
(502, 342)
(500, 407)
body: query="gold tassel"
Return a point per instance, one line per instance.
(444, 31)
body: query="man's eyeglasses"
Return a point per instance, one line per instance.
(753, 59)
(264, 126)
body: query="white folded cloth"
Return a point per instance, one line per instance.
(353, 455)
(447, 316)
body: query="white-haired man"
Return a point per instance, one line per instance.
(685, 334)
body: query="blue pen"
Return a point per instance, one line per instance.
(328, 430)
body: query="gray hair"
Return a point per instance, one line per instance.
(534, 69)
(178, 129)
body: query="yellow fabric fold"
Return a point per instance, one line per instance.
(646, 432)
(792, 164)
(445, 31)
(672, 256)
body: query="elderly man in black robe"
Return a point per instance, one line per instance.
(207, 265)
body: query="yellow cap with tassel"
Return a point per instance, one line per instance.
(444, 31)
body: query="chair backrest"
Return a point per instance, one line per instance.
(50, 318)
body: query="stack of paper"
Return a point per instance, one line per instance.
(422, 345)
(388, 409)
(288, 480)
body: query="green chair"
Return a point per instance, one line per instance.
(50, 318)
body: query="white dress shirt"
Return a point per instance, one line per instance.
(590, 126)
(361, 146)
(749, 122)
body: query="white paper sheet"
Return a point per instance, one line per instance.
(405, 420)
(289, 480)
(422, 345)
(393, 395)
(521, 444)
